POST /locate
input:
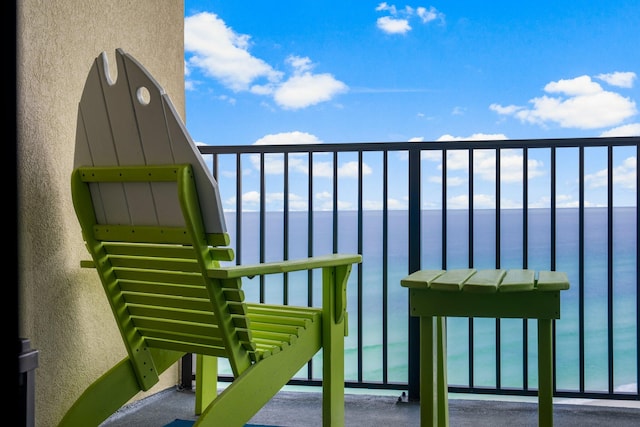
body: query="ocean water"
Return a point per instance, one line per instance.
(370, 282)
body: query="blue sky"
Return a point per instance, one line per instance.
(369, 71)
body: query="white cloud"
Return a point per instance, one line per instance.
(474, 137)
(458, 111)
(582, 85)
(323, 195)
(458, 202)
(632, 129)
(376, 205)
(393, 25)
(386, 7)
(252, 197)
(397, 22)
(484, 162)
(224, 55)
(428, 15)
(304, 88)
(483, 201)
(350, 169)
(618, 78)
(624, 176)
(273, 201)
(283, 138)
(274, 162)
(578, 103)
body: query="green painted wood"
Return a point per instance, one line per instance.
(545, 373)
(436, 294)
(484, 281)
(331, 260)
(167, 297)
(152, 222)
(206, 367)
(452, 280)
(518, 281)
(528, 305)
(421, 278)
(552, 281)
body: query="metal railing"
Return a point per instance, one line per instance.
(559, 204)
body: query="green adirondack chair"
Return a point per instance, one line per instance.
(152, 221)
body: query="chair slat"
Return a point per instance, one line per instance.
(164, 289)
(149, 263)
(184, 303)
(177, 327)
(172, 313)
(169, 277)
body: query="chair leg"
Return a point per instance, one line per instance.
(206, 381)
(333, 375)
(333, 333)
(105, 396)
(545, 373)
(250, 391)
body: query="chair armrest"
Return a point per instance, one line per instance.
(311, 263)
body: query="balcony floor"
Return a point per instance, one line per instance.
(299, 408)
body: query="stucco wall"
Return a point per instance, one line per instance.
(62, 309)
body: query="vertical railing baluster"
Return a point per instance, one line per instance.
(285, 228)
(525, 257)
(414, 240)
(610, 357)
(552, 219)
(581, 263)
(385, 268)
(637, 207)
(360, 300)
(498, 256)
(262, 228)
(238, 209)
(310, 245)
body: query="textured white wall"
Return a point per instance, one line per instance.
(62, 309)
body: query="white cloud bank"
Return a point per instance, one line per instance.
(224, 55)
(578, 103)
(397, 22)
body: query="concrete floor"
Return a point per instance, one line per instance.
(303, 409)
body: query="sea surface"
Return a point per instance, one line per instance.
(609, 295)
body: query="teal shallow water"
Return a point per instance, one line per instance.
(570, 256)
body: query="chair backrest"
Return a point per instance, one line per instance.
(132, 121)
(152, 221)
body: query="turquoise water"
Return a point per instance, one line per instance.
(512, 338)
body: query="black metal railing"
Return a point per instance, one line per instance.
(565, 204)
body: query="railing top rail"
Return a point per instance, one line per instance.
(421, 145)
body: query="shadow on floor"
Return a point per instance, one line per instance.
(303, 409)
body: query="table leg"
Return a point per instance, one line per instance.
(434, 400)
(545, 373)
(428, 411)
(442, 390)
